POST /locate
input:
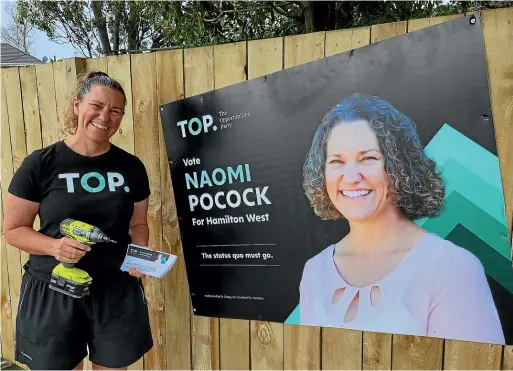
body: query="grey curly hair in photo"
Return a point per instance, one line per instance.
(415, 186)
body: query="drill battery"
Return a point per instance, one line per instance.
(70, 281)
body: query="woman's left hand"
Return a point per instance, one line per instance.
(135, 272)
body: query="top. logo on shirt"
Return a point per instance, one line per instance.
(114, 180)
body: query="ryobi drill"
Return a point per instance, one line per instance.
(66, 278)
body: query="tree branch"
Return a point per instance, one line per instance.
(280, 11)
(223, 12)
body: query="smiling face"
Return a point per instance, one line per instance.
(356, 181)
(99, 113)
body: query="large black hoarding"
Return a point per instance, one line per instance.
(361, 191)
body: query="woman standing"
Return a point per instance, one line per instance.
(86, 178)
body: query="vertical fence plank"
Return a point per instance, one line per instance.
(377, 347)
(61, 94)
(97, 64)
(50, 119)
(199, 78)
(342, 349)
(338, 41)
(144, 82)
(341, 41)
(266, 338)
(463, 355)
(7, 324)
(13, 153)
(7, 310)
(32, 123)
(31, 108)
(417, 353)
(123, 141)
(300, 49)
(361, 37)
(380, 32)
(301, 347)
(507, 358)
(266, 345)
(410, 352)
(418, 24)
(198, 70)
(229, 64)
(178, 331)
(377, 351)
(118, 67)
(229, 68)
(302, 344)
(65, 80)
(15, 111)
(47, 104)
(497, 34)
(264, 57)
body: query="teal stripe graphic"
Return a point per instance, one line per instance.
(482, 203)
(450, 143)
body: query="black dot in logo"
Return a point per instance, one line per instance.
(215, 127)
(127, 190)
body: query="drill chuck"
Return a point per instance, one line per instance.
(96, 235)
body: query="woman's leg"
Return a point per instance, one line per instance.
(50, 327)
(121, 326)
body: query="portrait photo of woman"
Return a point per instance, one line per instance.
(366, 166)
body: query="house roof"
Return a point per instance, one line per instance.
(12, 56)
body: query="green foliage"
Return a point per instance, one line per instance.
(104, 27)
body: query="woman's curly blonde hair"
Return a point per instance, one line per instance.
(415, 186)
(85, 81)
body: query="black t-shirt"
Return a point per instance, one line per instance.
(98, 190)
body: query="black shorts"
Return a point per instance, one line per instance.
(54, 331)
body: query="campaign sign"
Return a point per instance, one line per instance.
(359, 191)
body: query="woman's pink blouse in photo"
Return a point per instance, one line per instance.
(438, 290)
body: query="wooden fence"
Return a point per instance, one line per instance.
(32, 97)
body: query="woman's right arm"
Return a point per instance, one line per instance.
(19, 216)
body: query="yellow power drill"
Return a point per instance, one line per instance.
(66, 278)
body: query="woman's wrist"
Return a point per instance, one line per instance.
(140, 234)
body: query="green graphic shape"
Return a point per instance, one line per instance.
(462, 236)
(473, 215)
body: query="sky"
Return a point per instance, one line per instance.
(41, 45)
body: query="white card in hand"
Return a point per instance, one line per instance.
(149, 262)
